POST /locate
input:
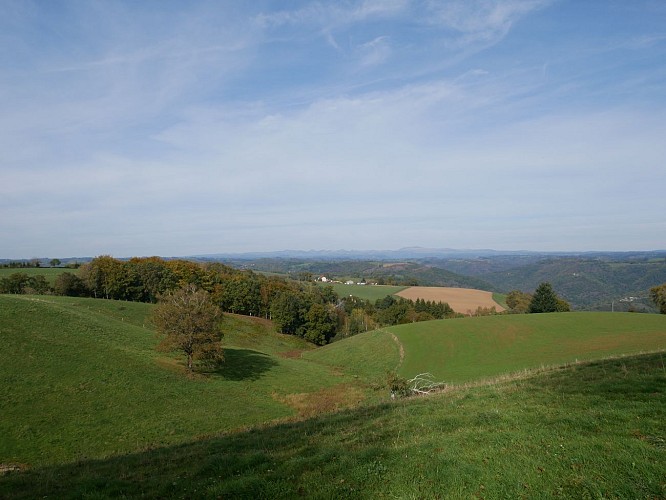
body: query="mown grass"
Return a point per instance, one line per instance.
(591, 430)
(460, 350)
(369, 355)
(81, 379)
(366, 292)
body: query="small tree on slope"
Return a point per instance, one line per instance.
(188, 320)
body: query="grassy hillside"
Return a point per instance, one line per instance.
(468, 349)
(83, 381)
(593, 430)
(461, 350)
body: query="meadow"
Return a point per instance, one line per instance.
(85, 381)
(593, 430)
(91, 410)
(365, 292)
(49, 273)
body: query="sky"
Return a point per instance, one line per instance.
(182, 128)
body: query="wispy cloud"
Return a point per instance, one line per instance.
(362, 124)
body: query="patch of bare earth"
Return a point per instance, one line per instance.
(325, 400)
(294, 354)
(461, 300)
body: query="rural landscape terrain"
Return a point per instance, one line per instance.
(381, 399)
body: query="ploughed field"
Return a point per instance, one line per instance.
(461, 300)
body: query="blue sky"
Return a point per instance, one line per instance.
(180, 128)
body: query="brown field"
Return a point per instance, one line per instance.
(462, 300)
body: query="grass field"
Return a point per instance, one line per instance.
(49, 273)
(84, 380)
(594, 430)
(468, 349)
(91, 410)
(366, 292)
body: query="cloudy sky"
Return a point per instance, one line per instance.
(179, 128)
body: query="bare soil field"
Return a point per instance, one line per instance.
(462, 300)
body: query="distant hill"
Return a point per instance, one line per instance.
(586, 283)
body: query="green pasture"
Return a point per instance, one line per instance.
(461, 350)
(366, 292)
(81, 379)
(594, 430)
(49, 273)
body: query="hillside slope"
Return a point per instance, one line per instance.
(594, 430)
(469, 349)
(586, 283)
(84, 380)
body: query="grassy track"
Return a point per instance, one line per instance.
(593, 430)
(83, 380)
(461, 350)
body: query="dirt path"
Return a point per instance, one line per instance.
(400, 346)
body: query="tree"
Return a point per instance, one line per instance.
(320, 324)
(188, 320)
(70, 285)
(288, 311)
(54, 262)
(658, 296)
(546, 300)
(518, 302)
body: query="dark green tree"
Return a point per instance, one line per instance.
(70, 285)
(545, 300)
(288, 311)
(320, 324)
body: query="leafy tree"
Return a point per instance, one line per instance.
(287, 311)
(546, 300)
(70, 285)
(320, 324)
(518, 302)
(14, 283)
(658, 296)
(54, 262)
(189, 320)
(37, 285)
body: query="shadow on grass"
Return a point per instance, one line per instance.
(244, 364)
(426, 448)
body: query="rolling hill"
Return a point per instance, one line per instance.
(90, 409)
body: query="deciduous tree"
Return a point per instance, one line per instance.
(188, 321)
(658, 296)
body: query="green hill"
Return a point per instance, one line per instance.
(90, 409)
(468, 349)
(586, 282)
(81, 378)
(594, 430)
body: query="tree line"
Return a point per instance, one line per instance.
(304, 309)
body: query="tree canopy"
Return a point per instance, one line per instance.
(658, 296)
(188, 321)
(545, 300)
